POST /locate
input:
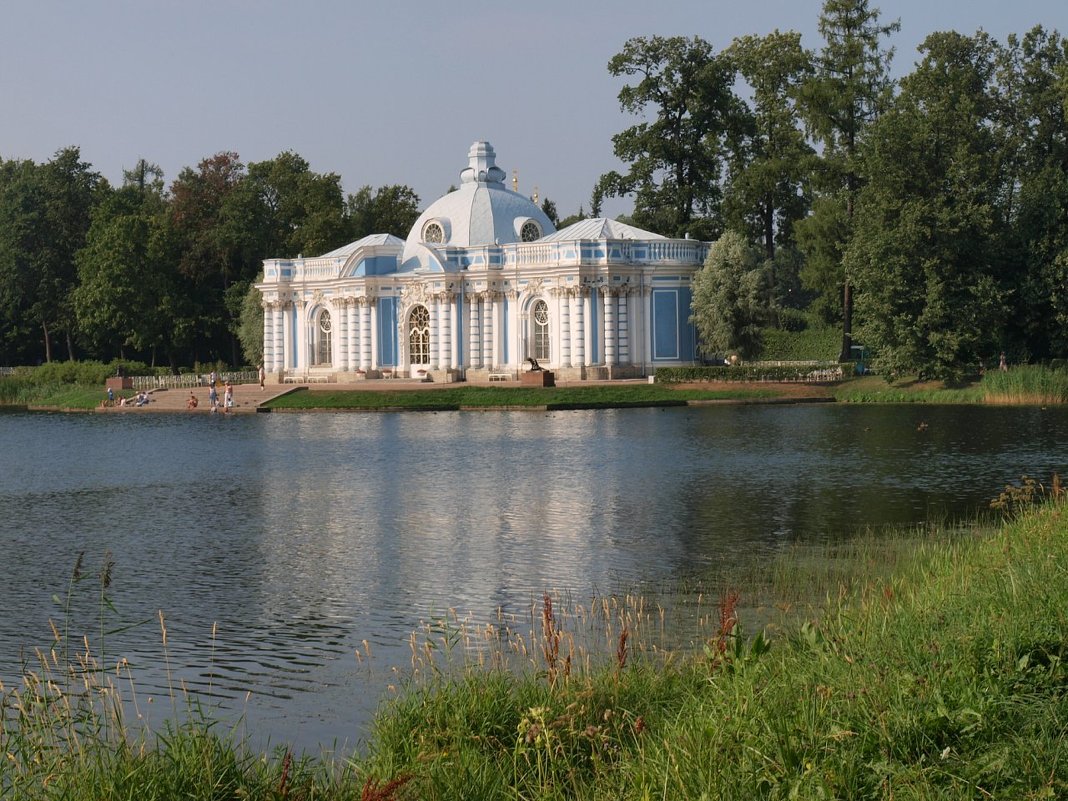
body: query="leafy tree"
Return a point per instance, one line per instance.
(1033, 95)
(388, 210)
(927, 251)
(119, 298)
(294, 210)
(850, 87)
(731, 297)
(767, 195)
(549, 209)
(44, 216)
(250, 324)
(676, 159)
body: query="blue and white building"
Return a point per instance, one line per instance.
(482, 283)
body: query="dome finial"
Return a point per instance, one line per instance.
(482, 165)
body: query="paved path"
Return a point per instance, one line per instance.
(247, 397)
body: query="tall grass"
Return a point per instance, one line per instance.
(1028, 384)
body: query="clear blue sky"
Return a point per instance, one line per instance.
(379, 92)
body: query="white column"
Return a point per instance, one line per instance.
(365, 334)
(489, 351)
(354, 334)
(647, 313)
(448, 352)
(341, 341)
(624, 326)
(563, 329)
(434, 307)
(268, 337)
(474, 356)
(279, 314)
(609, 327)
(578, 335)
(588, 333)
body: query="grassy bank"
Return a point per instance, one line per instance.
(944, 680)
(51, 395)
(602, 396)
(1028, 384)
(943, 677)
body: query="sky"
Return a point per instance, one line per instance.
(381, 92)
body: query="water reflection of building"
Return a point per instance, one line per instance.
(482, 283)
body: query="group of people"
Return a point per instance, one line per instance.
(213, 395)
(140, 399)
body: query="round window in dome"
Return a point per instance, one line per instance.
(530, 231)
(433, 233)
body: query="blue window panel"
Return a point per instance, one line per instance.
(387, 331)
(666, 324)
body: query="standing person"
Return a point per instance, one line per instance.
(1002, 364)
(228, 397)
(213, 397)
(212, 378)
(263, 377)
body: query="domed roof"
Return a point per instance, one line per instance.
(481, 212)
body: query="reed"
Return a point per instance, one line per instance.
(1027, 384)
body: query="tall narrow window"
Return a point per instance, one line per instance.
(322, 353)
(419, 336)
(541, 331)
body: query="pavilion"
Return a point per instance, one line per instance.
(483, 283)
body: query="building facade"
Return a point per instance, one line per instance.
(482, 284)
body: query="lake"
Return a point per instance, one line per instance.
(297, 537)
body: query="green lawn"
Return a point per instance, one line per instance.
(453, 398)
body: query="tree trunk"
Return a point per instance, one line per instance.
(70, 347)
(847, 323)
(47, 341)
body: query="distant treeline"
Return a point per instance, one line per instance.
(90, 270)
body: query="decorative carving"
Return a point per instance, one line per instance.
(413, 293)
(317, 297)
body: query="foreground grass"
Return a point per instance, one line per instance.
(941, 678)
(946, 680)
(462, 397)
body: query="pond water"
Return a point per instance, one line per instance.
(295, 538)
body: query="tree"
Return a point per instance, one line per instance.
(387, 210)
(548, 208)
(676, 160)
(928, 245)
(122, 275)
(730, 297)
(44, 216)
(1033, 95)
(766, 195)
(849, 89)
(250, 324)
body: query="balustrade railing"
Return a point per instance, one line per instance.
(190, 380)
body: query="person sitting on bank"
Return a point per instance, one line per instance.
(192, 403)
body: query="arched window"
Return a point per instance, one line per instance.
(540, 318)
(322, 340)
(419, 336)
(529, 232)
